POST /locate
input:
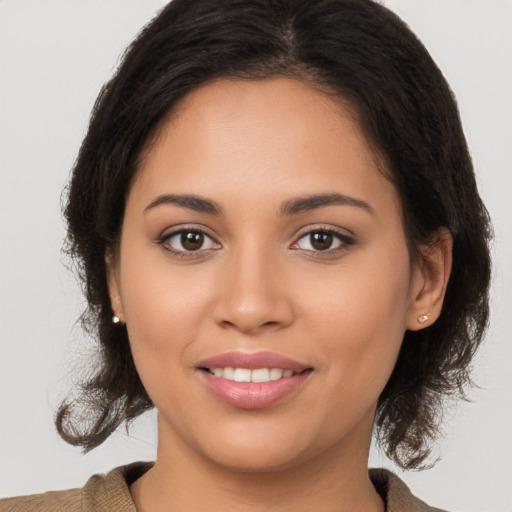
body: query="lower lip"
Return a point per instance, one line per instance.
(253, 395)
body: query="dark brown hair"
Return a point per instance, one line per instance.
(366, 55)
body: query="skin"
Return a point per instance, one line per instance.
(258, 284)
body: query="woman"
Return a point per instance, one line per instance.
(283, 245)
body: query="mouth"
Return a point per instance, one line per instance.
(258, 375)
(253, 381)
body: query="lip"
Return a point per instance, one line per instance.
(253, 395)
(253, 361)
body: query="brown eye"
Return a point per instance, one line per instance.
(188, 240)
(192, 240)
(321, 241)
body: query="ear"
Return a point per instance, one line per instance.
(430, 276)
(111, 262)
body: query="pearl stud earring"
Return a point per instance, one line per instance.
(116, 319)
(423, 318)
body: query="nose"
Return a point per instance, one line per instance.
(253, 295)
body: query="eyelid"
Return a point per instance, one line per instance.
(177, 230)
(346, 239)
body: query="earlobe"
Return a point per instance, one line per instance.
(114, 289)
(430, 280)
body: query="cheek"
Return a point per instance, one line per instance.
(164, 314)
(359, 315)
(163, 305)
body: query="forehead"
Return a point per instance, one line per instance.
(261, 138)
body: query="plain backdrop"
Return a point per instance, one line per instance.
(54, 56)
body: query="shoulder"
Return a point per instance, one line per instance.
(101, 492)
(396, 494)
(47, 502)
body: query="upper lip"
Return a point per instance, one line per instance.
(253, 361)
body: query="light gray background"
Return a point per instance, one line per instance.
(54, 56)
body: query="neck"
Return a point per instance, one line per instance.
(183, 480)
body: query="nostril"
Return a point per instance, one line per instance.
(253, 326)
(226, 323)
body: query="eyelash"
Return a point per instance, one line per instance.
(184, 253)
(345, 242)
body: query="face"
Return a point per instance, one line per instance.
(261, 243)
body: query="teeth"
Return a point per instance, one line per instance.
(276, 374)
(245, 375)
(228, 373)
(242, 375)
(260, 375)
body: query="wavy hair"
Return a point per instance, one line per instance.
(364, 54)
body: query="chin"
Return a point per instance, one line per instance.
(255, 460)
(258, 451)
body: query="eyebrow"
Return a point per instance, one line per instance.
(196, 203)
(307, 203)
(292, 207)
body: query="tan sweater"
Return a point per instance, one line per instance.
(110, 492)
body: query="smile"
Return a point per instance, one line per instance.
(253, 380)
(247, 375)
